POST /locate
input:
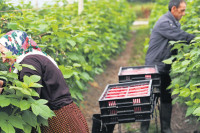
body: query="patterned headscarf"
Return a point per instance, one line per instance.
(18, 42)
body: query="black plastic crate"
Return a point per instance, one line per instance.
(126, 109)
(128, 74)
(127, 100)
(126, 118)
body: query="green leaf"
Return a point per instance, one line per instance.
(26, 91)
(42, 110)
(189, 103)
(39, 108)
(27, 80)
(187, 54)
(98, 70)
(28, 66)
(3, 116)
(25, 85)
(61, 34)
(35, 78)
(168, 61)
(67, 72)
(197, 38)
(18, 83)
(29, 118)
(177, 86)
(185, 92)
(80, 39)
(12, 25)
(42, 121)
(15, 102)
(36, 85)
(172, 42)
(43, 27)
(34, 93)
(55, 27)
(4, 101)
(198, 84)
(41, 101)
(80, 85)
(80, 96)
(87, 67)
(194, 92)
(16, 121)
(91, 33)
(3, 72)
(18, 66)
(186, 62)
(175, 91)
(76, 65)
(73, 56)
(12, 75)
(86, 49)
(197, 111)
(85, 76)
(6, 127)
(190, 110)
(27, 128)
(197, 101)
(1, 77)
(72, 43)
(24, 105)
(16, 88)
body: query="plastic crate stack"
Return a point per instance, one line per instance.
(128, 74)
(132, 99)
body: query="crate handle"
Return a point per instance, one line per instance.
(138, 78)
(127, 103)
(122, 112)
(126, 120)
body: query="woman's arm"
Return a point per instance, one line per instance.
(28, 72)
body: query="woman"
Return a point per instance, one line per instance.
(68, 116)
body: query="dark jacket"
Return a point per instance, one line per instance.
(166, 29)
(54, 89)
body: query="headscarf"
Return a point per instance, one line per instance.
(19, 43)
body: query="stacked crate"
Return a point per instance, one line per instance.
(133, 98)
(129, 74)
(127, 102)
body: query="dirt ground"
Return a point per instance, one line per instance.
(179, 123)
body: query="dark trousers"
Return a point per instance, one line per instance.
(165, 107)
(165, 95)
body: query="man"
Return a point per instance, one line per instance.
(167, 28)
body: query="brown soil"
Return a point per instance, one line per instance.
(179, 123)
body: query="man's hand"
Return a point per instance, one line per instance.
(190, 37)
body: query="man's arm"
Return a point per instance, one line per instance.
(173, 33)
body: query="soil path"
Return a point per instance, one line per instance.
(109, 76)
(90, 105)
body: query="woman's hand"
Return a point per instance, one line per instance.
(1, 83)
(1, 90)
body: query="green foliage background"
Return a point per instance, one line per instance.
(186, 67)
(80, 44)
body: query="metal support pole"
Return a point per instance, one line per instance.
(36, 3)
(80, 6)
